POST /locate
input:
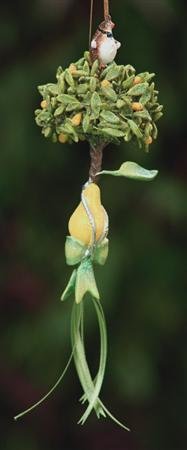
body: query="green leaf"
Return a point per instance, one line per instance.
(128, 135)
(155, 131)
(95, 67)
(73, 106)
(47, 132)
(103, 124)
(106, 70)
(54, 102)
(86, 67)
(143, 114)
(70, 288)
(67, 128)
(85, 281)
(86, 56)
(146, 76)
(109, 117)
(82, 88)
(86, 123)
(120, 103)
(95, 104)
(67, 99)
(132, 170)
(59, 110)
(61, 84)
(42, 89)
(128, 82)
(93, 84)
(109, 93)
(52, 88)
(113, 132)
(148, 129)
(128, 68)
(158, 116)
(127, 100)
(69, 79)
(146, 97)
(59, 72)
(113, 72)
(138, 89)
(135, 129)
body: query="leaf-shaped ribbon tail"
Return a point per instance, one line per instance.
(85, 281)
(131, 170)
(70, 286)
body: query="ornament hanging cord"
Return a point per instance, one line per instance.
(106, 15)
(106, 9)
(96, 153)
(91, 21)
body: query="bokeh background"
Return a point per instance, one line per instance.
(143, 284)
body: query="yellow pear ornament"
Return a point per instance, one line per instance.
(89, 222)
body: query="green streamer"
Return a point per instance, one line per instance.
(80, 358)
(31, 408)
(102, 363)
(91, 388)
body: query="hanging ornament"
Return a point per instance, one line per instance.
(103, 45)
(99, 101)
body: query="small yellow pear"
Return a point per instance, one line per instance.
(80, 225)
(63, 138)
(72, 69)
(148, 140)
(76, 120)
(137, 80)
(43, 104)
(137, 106)
(105, 83)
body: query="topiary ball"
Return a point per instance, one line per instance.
(110, 105)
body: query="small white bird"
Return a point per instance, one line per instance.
(103, 45)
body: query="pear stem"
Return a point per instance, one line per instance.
(96, 155)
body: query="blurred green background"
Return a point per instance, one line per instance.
(143, 284)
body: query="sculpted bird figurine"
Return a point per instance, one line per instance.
(103, 45)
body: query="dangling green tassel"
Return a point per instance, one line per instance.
(91, 388)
